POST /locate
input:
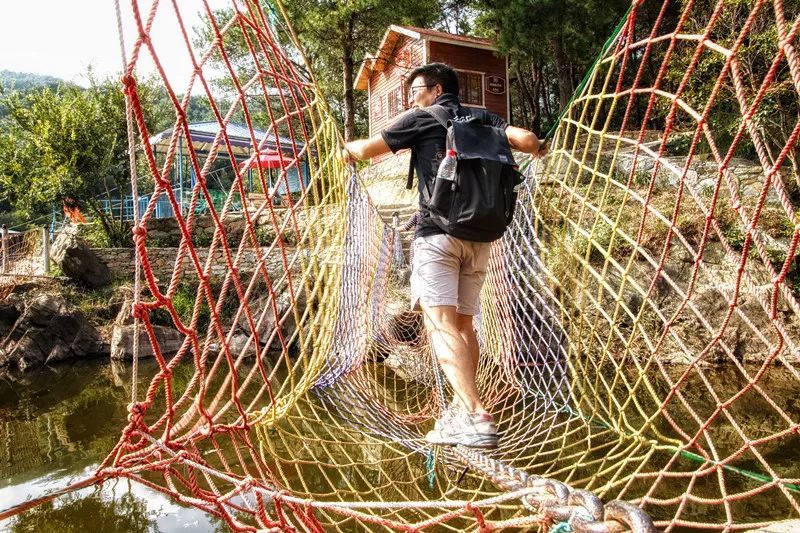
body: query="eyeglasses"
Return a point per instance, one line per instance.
(415, 87)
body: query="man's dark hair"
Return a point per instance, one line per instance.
(436, 73)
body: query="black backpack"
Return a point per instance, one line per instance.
(479, 204)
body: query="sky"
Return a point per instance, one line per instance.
(63, 38)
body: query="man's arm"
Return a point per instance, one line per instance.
(525, 141)
(365, 148)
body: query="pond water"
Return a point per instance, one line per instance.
(56, 426)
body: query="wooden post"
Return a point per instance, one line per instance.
(4, 265)
(46, 250)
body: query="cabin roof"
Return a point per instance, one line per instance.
(379, 61)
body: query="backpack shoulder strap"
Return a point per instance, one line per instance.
(443, 117)
(438, 112)
(410, 179)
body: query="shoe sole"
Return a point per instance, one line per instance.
(484, 443)
(487, 442)
(441, 442)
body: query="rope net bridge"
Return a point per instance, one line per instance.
(640, 321)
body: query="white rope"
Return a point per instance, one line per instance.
(276, 494)
(137, 276)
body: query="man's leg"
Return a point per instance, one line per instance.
(467, 329)
(435, 287)
(472, 274)
(456, 348)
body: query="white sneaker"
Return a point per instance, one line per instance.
(475, 430)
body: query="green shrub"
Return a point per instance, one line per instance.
(94, 235)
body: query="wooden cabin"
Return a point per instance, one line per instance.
(482, 73)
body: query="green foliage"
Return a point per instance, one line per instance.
(24, 81)
(184, 301)
(68, 146)
(55, 271)
(551, 44)
(203, 239)
(97, 305)
(94, 235)
(535, 28)
(777, 113)
(63, 145)
(265, 234)
(11, 217)
(335, 35)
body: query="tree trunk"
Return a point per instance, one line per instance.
(116, 232)
(544, 89)
(530, 99)
(563, 74)
(348, 67)
(537, 78)
(523, 105)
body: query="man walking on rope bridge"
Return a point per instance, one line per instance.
(448, 271)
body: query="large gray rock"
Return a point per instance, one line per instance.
(263, 314)
(242, 344)
(169, 341)
(76, 259)
(123, 333)
(43, 330)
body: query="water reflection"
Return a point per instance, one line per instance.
(126, 513)
(56, 425)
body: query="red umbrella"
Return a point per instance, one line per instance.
(270, 159)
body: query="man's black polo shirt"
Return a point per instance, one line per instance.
(419, 131)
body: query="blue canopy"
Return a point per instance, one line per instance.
(203, 134)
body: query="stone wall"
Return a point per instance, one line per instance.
(120, 261)
(164, 237)
(165, 232)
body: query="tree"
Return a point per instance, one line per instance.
(125, 513)
(456, 16)
(551, 44)
(335, 35)
(776, 115)
(23, 81)
(65, 146)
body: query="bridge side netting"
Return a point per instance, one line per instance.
(640, 322)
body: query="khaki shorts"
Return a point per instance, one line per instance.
(448, 271)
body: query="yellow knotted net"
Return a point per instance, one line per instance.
(640, 322)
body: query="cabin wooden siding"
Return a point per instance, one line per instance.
(475, 60)
(407, 55)
(410, 53)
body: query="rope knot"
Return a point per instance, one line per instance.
(139, 311)
(139, 231)
(184, 455)
(479, 518)
(135, 415)
(129, 82)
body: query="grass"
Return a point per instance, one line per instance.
(572, 231)
(98, 305)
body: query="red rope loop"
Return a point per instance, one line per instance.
(479, 518)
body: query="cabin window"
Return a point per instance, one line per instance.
(470, 88)
(396, 102)
(377, 107)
